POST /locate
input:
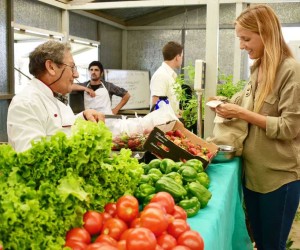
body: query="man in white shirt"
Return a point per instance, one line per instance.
(41, 109)
(162, 81)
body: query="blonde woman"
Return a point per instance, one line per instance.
(271, 149)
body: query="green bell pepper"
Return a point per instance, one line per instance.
(199, 191)
(175, 176)
(168, 166)
(191, 206)
(203, 179)
(196, 164)
(147, 200)
(167, 184)
(145, 179)
(155, 171)
(143, 191)
(155, 163)
(188, 173)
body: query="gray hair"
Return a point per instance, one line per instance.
(50, 50)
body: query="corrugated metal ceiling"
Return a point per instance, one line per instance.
(131, 16)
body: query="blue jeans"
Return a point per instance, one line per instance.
(271, 215)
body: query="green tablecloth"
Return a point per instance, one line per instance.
(222, 222)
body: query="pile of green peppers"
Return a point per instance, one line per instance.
(186, 182)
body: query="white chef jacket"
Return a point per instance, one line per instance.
(162, 84)
(34, 113)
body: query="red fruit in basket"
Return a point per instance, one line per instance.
(193, 151)
(170, 133)
(177, 142)
(209, 155)
(178, 133)
(131, 144)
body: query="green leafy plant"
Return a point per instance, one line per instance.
(189, 101)
(226, 87)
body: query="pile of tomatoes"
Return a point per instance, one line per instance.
(161, 225)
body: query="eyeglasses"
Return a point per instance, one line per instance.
(74, 67)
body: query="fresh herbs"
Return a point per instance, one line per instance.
(188, 98)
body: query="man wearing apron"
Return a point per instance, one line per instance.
(98, 93)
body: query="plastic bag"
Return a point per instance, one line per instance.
(140, 125)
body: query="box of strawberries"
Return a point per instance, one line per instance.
(174, 141)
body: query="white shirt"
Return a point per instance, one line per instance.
(35, 113)
(162, 84)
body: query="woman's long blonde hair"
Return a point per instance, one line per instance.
(262, 20)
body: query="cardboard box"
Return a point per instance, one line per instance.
(157, 138)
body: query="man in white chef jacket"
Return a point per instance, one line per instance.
(163, 80)
(98, 92)
(42, 109)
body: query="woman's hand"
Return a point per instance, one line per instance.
(228, 110)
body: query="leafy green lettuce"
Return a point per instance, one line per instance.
(46, 190)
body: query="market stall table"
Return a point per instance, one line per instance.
(222, 222)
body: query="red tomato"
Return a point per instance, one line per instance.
(127, 208)
(191, 239)
(166, 200)
(92, 222)
(105, 217)
(141, 238)
(155, 220)
(104, 238)
(166, 241)
(177, 227)
(74, 245)
(136, 222)
(79, 234)
(156, 205)
(125, 234)
(179, 213)
(170, 218)
(114, 227)
(111, 208)
(122, 245)
(181, 248)
(158, 247)
(100, 246)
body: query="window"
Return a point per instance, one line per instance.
(83, 52)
